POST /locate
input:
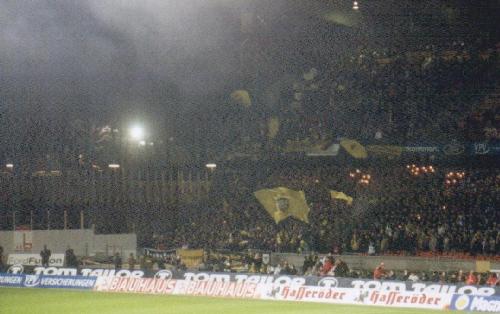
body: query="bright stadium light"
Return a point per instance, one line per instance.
(137, 133)
(9, 166)
(355, 5)
(211, 166)
(114, 166)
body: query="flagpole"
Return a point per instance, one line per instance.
(65, 219)
(31, 219)
(81, 220)
(14, 220)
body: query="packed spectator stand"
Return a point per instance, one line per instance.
(433, 94)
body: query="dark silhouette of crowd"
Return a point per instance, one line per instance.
(435, 93)
(398, 212)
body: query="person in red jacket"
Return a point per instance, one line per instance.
(379, 272)
(327, 266)
(471, 278)
(492, 280)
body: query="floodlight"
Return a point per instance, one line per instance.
(137, 133)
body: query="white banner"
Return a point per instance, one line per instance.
(34, 259)
(276, 291)
(135, 285)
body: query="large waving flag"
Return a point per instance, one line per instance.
(282, 203)
(341, 196)
(242, 97)
(273, 127)
(354, 148)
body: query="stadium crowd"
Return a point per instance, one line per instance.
(398, 212)
(431, 94)
(377, 96)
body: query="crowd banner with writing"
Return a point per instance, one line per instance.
(158, 253)
(454, 149)
(484, 149)
(384, 150)
(421, 150)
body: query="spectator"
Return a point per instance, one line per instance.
(117, 261)
(371, 248)
(471, 279)
(354, 243)
(70, 258)
(492, 280)
(379, 273)
(327, 265)
(443, 278)
(45, 255)
(341, 270)
(2, 266)
(461, 276)
(435, 276)
(276, 270)
(413, 277)
(131, 262)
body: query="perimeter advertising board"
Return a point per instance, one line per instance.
(475, 303)
(281, 288)
(330, 282)
(40, 281)
(27, 259)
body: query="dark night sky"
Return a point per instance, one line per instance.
(113, 53)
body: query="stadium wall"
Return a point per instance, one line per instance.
(397, 262)
(84, 242)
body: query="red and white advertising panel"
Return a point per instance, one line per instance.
(135, 285)
(225, 289)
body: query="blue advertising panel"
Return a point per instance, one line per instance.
(41, 281)
(11, 280)
(470, 303)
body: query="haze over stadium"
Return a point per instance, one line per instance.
(332, 151)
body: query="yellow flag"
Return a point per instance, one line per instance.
(282, 203)
(347, 18)
(354, 148)
(242, 97)
(192, 258)
(225, 205)
(341, 196)
(273, 127)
